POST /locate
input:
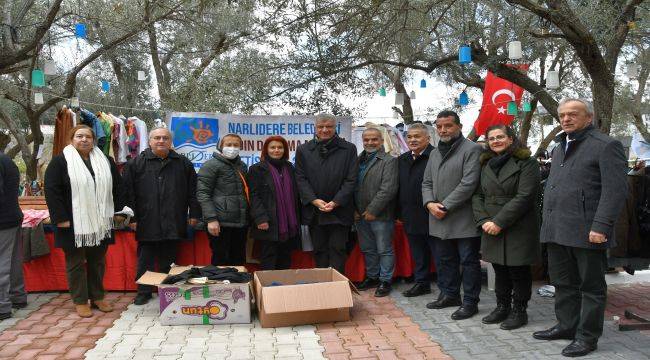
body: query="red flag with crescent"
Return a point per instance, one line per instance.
(496, 96)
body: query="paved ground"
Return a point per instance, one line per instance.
(471, 339)
(385, 328)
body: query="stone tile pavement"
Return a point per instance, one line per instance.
(381, 328)
(471, 339)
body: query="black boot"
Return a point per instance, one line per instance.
(518, 317)
(499, 314)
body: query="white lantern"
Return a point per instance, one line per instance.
(399, 99)
(74, 102)
(514, 50)
(38, 98)
(49, 67)
(632, 71)
(395, 114)
(141, 76)
(552, 80)
(412, 95)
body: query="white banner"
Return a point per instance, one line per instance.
(196, 135)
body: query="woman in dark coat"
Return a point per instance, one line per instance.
(82, 194)
(274, 204)
(506, 209)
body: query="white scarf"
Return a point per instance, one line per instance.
(92, 201)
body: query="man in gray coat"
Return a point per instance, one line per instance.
(585, 192)
(450, 179)
(374, 200)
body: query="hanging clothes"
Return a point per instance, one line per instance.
(119, 140)
(107, 125)
(63, 123)
(141, 126)
(132, 139)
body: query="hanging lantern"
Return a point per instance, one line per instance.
(141, 75)
(49, 67)
(74, 102)
(38, 78)
(463, 99)
(382, 91)
(38, 98)
(514, 50)
(552, 80)
(512, 108)
(395, 114)
(526, 107)
(80, 30)
(465, 55)
(423, 83)
(399, 99)
(106, 86)
(632, 71)
(412, 95)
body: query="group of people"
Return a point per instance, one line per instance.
(459, 202)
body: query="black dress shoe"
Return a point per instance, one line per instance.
(5, 316)
(368, 283)
(417, 290)
(19, 305)
(579, 348)
(444, 301)
(465, 311)
(497, 315)
(383, 289)
(554, 333)
(142, 299)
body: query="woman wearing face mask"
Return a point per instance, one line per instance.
(223, 194)
(82, 194)
(506, 209)
(274, 204)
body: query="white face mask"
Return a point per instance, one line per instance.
(230, 152)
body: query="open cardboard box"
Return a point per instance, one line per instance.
(302, 296)
(189, 304)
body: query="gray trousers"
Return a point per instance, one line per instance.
(12, 283)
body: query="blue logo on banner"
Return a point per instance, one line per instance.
(199, 132)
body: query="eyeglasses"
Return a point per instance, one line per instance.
(497, 138)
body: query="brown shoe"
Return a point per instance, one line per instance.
(83, 310)
(102, 305)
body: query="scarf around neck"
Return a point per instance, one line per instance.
(92, 199)
(325, 147)
(285, 202)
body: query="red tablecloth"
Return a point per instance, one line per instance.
(48, 273)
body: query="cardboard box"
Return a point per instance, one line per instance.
(189, 304)
(305, 296)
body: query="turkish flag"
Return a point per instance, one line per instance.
(496, 96)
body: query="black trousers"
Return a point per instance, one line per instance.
(229, 248)
(276, 255)
(84, 268)
(513, 283)
(423, 251)
(580, 289)
(329, 245)
(148, 253)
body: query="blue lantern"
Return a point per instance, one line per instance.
(106, 86)
(80, 30)
(423, 83)
(463, 99)
(465, 55)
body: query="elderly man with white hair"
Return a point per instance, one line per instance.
(584, 195)
(326, 174)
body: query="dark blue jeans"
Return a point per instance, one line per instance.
(452, 254)
(422, 250)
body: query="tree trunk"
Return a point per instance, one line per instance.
(526, 123)
(603, 102)
(549, 138)
(407, 108)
